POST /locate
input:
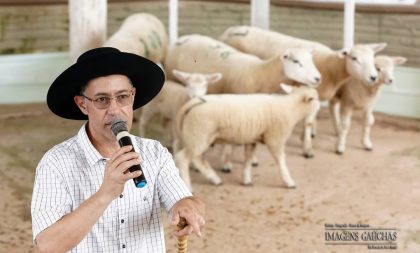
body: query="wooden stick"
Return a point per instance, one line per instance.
(182, 241)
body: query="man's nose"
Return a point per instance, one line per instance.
(113, 105)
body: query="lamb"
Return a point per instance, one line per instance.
(336, 67)
(357, 95)
(242, 73)
(173, 95)
(240, 119)
(142, 34)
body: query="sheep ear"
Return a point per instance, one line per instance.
(398, 60)
(285, 55)
(212, 78)
(182, 76)
(343, 52)
(308, 99)
(376, 47)
(286, 88)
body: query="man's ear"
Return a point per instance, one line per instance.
(80, 102)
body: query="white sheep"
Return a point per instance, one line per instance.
(242, 73)
(173, 95)
(240, 119)
(335, 66)
(142, 34)
(356, 95)
(246, 39)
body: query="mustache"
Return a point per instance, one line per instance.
(110, 120)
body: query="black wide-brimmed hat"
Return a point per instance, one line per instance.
(145, 75)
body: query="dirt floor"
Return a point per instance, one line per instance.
(380, 189)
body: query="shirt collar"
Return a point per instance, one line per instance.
(92, 155)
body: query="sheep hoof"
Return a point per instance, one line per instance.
(226, 170)
(254, 164)
(308, 155)
(215, 180)
(247, 184)
(292, 186)
(339, 152)
(313, 135)
(218, 184)
(368, 148)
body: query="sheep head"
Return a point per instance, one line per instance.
(360, 62)
(385, 67)
(298, 65)
(196, 83)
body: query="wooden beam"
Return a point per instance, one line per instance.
(88, 21)
(260, 13)
(348, 35)
(173, 21)
(395, 9)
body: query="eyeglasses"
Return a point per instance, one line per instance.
(104, 102)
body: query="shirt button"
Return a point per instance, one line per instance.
(122, 220)
(123, 246)
(121, 196)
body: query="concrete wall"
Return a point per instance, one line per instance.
(44, 28)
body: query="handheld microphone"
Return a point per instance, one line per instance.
(119, 128)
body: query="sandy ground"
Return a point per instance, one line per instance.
(379, 188)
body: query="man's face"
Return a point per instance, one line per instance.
(100, 119)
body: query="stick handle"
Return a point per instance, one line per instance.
(182, 241)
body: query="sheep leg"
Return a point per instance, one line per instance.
(169, 125)
(249, 155)
(369, 120)
(183, 161)
(345, 125)
(277, 150)
(146, 115)
(205, 168)
(227, 158)
(307, 139)
(314, 129)
(334, 107)
(254, 156)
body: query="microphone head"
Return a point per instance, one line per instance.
(118, 125)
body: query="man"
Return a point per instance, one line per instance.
(84, 198)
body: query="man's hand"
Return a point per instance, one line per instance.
(117, 173)
(192, 209)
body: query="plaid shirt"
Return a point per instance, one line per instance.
(72, 171)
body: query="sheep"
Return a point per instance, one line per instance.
(142, 34)
(246, 39)
(335, 67)
(242, 73)
(240, 119)
(356, 95)
(173, 95)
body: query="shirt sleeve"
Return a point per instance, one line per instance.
(171, 187)
(50, 199)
